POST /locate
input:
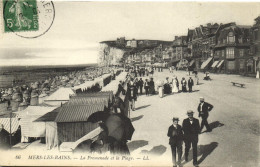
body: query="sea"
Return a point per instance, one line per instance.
(19, 75)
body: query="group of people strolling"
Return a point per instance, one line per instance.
(135, 87)
(173, 86)
(188, 132)
(142, 72)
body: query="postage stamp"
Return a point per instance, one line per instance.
(20, 15)
(28, 18)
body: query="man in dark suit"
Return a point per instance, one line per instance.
(204, 108)
(191, 129)
(141, 84)
(176, 139)
(190, 84)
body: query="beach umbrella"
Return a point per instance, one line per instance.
(98, 116)
(119, 127)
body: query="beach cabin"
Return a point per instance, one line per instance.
(29, 128)
(87, 100)
(51, 133)
(4, 138)
(60, 96)
(42, 97)
(15, 129)
(72, 121)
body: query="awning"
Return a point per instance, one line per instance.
(215, 64)
(205, 63)
(220, 63)
(192, 62)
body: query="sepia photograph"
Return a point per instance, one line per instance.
(129, 83)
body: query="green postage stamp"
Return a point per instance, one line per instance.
(20, 15)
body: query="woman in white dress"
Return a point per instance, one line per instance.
(175, 86)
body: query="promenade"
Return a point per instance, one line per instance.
(234, 119)
(234, 140)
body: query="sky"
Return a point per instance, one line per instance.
(79, 27)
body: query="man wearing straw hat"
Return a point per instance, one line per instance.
(176, 139)
(191, 129)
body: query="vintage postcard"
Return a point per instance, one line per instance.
(87, 83)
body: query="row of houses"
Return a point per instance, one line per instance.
(221, 48)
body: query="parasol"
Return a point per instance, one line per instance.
(119, 127)
(98, 116)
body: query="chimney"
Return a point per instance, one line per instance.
(176, 37)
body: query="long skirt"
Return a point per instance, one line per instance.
(160, 91)
(175, 89)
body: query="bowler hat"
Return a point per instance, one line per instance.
(190, 112)
(175, 119)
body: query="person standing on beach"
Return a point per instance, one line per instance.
(191, 129)
(204, 108)
(190, 84)
(132, 96)
(175, 85)
(146, 87)
(143, 72)
(176, 140)
(184, 83)
(151, 86)
(141, 84)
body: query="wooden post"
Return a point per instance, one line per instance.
(10, 134)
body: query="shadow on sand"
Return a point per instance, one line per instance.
(215, 124)
(137, 118)
(156, 150)
(141, 107)
(203, 151)
(133, 145)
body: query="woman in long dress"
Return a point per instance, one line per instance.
(175, 86)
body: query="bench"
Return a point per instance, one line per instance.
(239, 84)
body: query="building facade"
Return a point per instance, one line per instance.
(179, 50)
(233, 50)
(256, 43)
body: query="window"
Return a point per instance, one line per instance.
(231, 37)
(224, 41)
(250, 66)
(241, 52)
(242, 64)
(230, 53)
(230, 65)
(223, 53)
(240, 40)
(217, 53)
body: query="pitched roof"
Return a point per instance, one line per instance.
(5, 121)
(49, 117)
(103, 93)
(77, 113)
(239, 31)
(84, 100)
(62, 94)
(35, 111)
